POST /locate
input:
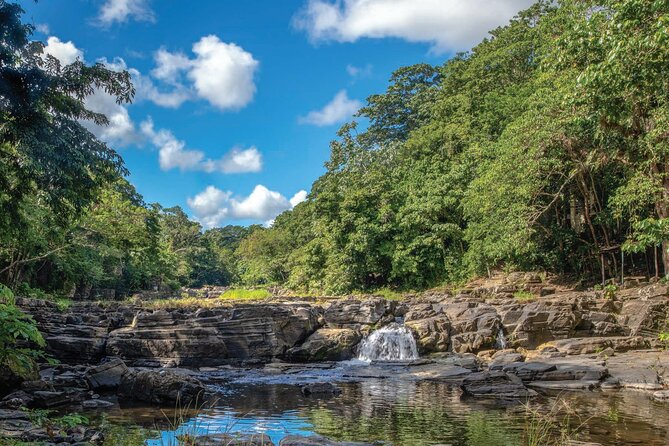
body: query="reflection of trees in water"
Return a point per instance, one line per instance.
(408, 414)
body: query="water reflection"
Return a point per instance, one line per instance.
(407, 413)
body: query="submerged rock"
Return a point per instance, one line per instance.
(226, 439)
(316, 440)
(320, 389)
(495, 385)
(160, 387)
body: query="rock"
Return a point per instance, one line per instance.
(535, 323)
(48, 399)
(9, 380)
(242, 332)
(495, 385)
(226, 439)
(96, 404)
(529, 371)
(474, 326)
(355, 313)
(320, 389)
(582, 346)
(431, 333)
(579, 384)
(315, 440)
(107, 375)
(160, 387)
(326, 344)
(645, 317)
(661, 395)
(503, 358)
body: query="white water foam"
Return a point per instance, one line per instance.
(394, 342)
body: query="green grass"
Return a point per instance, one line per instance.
(524, 295)
(388, 294)
(244, 294)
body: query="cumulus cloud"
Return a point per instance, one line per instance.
(212, 206)
(124, 10)
(65, 52)
(448, 25)
(337, 110)
(298, 198)
(220, 73)
(223, 73)
(121, 129)
(173, 154)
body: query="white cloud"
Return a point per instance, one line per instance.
(172, 154)
(222, 73)
(123, 10)
(298, 198)
(212, 206)
(121, 129)
(356, 72)
(43, 28)
(337, 110)
(65, 52)
(236, 160)
(448, 25)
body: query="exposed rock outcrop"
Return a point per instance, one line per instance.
(326, 344)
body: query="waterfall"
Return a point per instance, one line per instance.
(394, 342)
(500, 342)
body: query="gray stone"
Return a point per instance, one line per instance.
(107, 375)
(160, 387)
(326, 344)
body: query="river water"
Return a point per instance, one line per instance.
(406, 413)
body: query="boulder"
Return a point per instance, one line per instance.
(326, 344)
(160, 387)
(535, 323)
(494, 385)
(229, 439)
(355, 313)
(431, 328)
(645, 317)
(474, 325)
(315, 440)
(320, 389)
(106, 375)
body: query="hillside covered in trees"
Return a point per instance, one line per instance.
(544, 148)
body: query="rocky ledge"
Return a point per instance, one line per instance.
(471, 321)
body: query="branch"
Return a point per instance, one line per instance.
(34, 259)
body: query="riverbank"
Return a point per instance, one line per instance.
(512, 342)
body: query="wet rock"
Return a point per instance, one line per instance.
(107, 375)
(320, 389)
(495, 385)
(234, 440)
(96, 404)
(48, 399)
(431, 333)
(326, 344)
(315, 440)
(355, 313)
(160, 387)
(661, 395)
(579, 384)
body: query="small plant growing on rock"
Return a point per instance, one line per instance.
(523, 295)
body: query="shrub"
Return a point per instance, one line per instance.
(17, 329)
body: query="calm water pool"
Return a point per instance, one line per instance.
(405, 413)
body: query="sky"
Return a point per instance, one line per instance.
(236, 101)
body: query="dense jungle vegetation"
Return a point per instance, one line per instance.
(543, 148)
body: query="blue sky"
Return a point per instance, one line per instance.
(237, 100)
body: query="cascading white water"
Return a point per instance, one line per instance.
(394, 342)
(500, 342)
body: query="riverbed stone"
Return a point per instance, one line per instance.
(160, 387)
(106, 375)
(316, 440)
(326, 344)
(430, 326)
(229, 439)
(355, 313)
(496, 384)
